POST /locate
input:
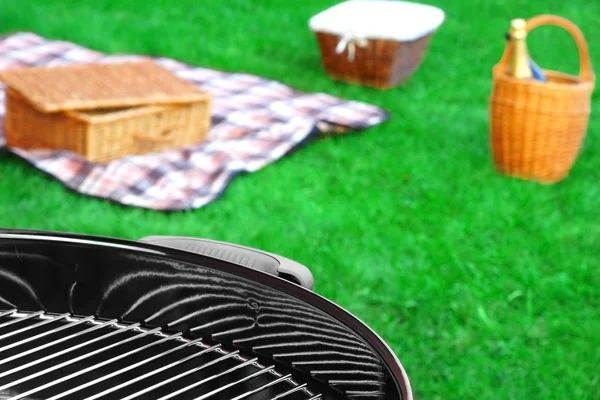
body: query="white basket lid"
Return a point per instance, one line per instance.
(379, 19)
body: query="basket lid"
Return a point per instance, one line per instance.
(97, 86)
(379, 19)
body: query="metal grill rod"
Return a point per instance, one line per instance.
(154, 372)
(96, 366)
(113, 327)
(64, 364)
(36, 349)
(244, 379)
(174, 378)
(41, 335)
(129, 367)
(293, 390)
(19, 319)
(263, 387)
(125, 369)
(210, 378)
(41, 323)
(8, 312)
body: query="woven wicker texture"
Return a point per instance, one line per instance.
(537, 128)
(382, 64)
(92, 86)
(106, 136)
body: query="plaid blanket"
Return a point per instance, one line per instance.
(255, 121)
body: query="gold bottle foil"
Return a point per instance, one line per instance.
(519, 61)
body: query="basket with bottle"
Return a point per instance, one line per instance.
(538, 118)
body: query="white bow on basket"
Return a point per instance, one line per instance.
(351, 41)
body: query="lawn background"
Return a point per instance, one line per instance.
(486, 287)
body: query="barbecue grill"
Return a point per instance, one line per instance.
(85, 317)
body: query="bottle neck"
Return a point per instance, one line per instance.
(519, 65)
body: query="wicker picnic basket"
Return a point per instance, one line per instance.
(537, 128)
(376, 43)
(103, 111)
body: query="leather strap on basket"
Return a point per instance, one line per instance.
(585, 68)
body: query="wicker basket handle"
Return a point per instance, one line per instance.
(585, 68)
(167, 136)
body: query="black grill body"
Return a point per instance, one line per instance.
(159, 322)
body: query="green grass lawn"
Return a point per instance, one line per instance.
(486, 287)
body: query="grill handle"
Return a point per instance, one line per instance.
(245, 256)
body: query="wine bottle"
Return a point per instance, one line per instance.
(518, 65)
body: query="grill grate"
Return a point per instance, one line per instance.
(60, 356)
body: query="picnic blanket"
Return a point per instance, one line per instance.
(255, 121)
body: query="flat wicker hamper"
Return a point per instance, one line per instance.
(103, 111)
(376, 43)
(537, 128)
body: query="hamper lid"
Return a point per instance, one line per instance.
(379, 19)
(96, 86)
